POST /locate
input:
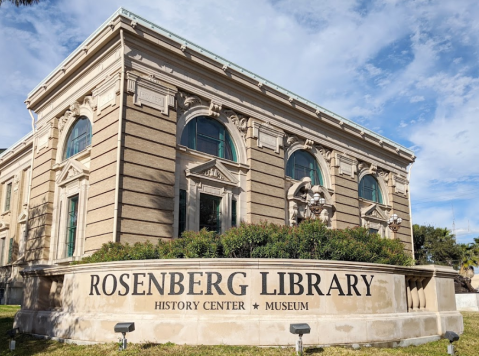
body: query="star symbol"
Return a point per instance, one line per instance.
(256, 305)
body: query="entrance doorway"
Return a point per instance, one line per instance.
(210, 214)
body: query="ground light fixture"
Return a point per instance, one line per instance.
(394, 223)
(451, 336)
(316, 204)
(11, 334)
(124, 328)
(299, 329)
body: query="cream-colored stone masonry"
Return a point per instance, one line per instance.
(242, 302)
(139, 88)
(15, 181)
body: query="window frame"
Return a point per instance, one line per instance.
(190, 138)
(66, 155)
(8, 197)
(315, 170)
(362, 185)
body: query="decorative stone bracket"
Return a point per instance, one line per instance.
(148, 91)
(240, 121)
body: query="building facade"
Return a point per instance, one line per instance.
(142, 135)
(15, 180)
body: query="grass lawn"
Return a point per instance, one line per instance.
(468, 345)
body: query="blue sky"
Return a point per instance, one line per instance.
(406, 69)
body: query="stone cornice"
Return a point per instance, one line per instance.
(151, 32)
(247, 104)
(250, 263)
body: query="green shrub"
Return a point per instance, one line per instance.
(310, 240)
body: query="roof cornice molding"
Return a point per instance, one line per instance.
(138, 23)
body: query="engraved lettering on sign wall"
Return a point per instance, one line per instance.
(285, 291)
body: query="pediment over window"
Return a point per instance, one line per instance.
(212, 170)
(22, 218)
(373, 212)
(4, 225)
(72, 170)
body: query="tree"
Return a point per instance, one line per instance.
(469, 257)
(18, 3)
(436, 246)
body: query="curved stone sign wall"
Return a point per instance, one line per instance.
(241, 301)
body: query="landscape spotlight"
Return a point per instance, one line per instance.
(124, 328)
(299, 329)
(11, 333)
(451, 336)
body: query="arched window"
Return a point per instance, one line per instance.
(79, 137)
(369, 189)
(210, 136)
(302, 164)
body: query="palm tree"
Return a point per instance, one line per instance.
(469, 258)
(21, 2)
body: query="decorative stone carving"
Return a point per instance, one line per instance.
(150, 92)
(308, 144)
(299, 194)
(73, 111)
(361, 166)
(186, 101)
(293, 211)
(325, 153)
(4, 225)
(383, 174)
(400, 184)
(212, 170)
(215, 109)
(290, 140)
(374, 216)
(240, 121)
(72, 170)
(373, 168)
(346, 165)
(267, 136)
(214, 173)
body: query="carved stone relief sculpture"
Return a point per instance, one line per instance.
(240, 121)
(186, 101)
(299, 194)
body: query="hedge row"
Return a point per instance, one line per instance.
(310, 240)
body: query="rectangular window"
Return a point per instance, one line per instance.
(8, 196)
(182, 213)
(210, 213)
(233, 213)
(10, 251)
(72, 224)
(373, 231)
(2, 250)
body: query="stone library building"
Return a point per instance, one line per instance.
(140, 135)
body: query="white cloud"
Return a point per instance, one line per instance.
(365, 63)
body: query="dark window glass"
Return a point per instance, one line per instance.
(302, 164)
(79, 137)
(10, 251)
(207, 135)
(233, 213)
(8, 196)
(182, 213)
(369, 189)
(2, 251)
(72, 224)
(373, 231)
(210, 213)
